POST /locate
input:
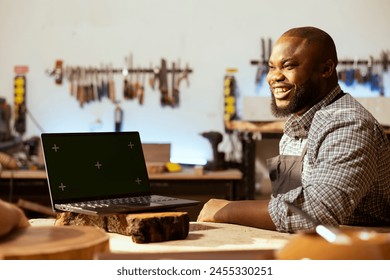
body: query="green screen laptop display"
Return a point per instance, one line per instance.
(94, 165)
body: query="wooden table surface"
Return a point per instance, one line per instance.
(205, 240)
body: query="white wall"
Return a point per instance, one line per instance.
(211, 35)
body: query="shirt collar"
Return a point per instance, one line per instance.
(298, 126)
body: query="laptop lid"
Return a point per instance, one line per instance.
(90, 166)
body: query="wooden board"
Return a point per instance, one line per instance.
(251, 126)
(54, 243)
(142, 227)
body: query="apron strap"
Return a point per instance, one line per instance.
(304, 151)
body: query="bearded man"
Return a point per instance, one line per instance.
(334, 160)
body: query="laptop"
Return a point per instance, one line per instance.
(101, 173)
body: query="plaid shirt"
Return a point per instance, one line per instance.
(346, 170)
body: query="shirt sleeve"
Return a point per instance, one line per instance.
(341, 169)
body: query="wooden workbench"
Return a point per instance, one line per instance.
(204, 241)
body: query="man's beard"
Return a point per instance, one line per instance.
(303, 98)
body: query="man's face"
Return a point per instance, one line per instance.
(293, 76)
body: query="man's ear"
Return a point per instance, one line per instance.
(328, 68)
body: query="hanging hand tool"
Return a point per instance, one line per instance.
(385, 61)
(132, 89)
(370, 65)
(184, 76)
(111, 84)
(95, 81)
(269, 49)
(106, 88)
(80, 88)
(128, 85)
(125, 73)
(88, 86)
(69, 74)
(177, 80)
(137, 84)
(118, 117)
(174, 92)
(163, 83)
(57, 72)
(154, 76)
(125, 87)
(103, 86)
(141, 89)
(100, 86)
(260, 65)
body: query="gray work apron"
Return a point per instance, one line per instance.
(285, 172)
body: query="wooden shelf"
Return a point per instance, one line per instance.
(254, 126)
(186, 174)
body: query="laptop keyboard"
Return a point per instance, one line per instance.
(139, 200)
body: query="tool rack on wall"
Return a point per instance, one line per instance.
(89, 84)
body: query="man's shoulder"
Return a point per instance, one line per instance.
(343, 114)
(346, 108)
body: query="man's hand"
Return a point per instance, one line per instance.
(213, 211)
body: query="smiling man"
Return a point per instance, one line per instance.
(334, 160)
(299, 64)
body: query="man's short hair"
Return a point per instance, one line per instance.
(318, 37)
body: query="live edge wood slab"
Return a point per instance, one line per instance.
(142, 227)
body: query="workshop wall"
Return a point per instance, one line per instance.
(208, 35)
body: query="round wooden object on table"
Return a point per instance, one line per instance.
(363, 244)
(54, 243)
